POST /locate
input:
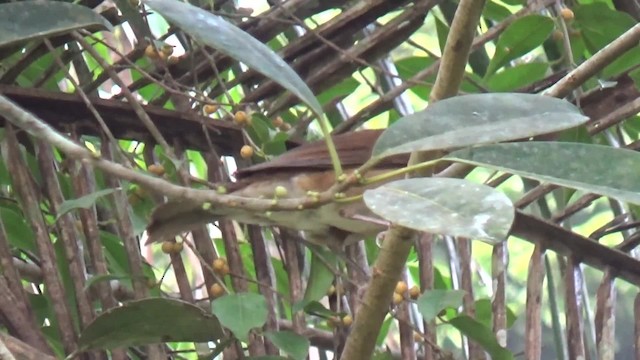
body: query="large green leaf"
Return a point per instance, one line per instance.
(481, 334)
(445, 206)
(432, 302)
(148, 321)
(214, 31)
(515, 77)
(27, 20)
(594, 168)
(241, 313)
(83, 202)
(294, 345)
(522, 36)
(477, 119)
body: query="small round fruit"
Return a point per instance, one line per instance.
(242, 118)
(334, 321)
(218, 265)
(567, 14)
(172, 60)
(417, 337)
(225, 270)
(401, 287)
(210, 109)
(347, 320)
(167, 247)
(414, 292)
(331, 291)
(216, 290)
(285, 127)
(178, 247)
(277, 122)
(246, 152)
(557, 35)
(151, 52)
(280, 191)
(397, 298)
(156, 169)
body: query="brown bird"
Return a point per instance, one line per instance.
(303, 169)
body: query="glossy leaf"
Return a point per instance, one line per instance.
(27, 20)
(522, 36)
(214, 31)
(148, 321)
(593, 168)
(477, 119)
(83, 202)
(481, 334)
(241, 313)
(445, 206)
(294, 345)
(518, 76)
(432, 302)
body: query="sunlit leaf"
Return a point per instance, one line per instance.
(481, 334)
(294, 345)
(518, 76)
(477, 119)
(241, 312)
(27, 20)
(153, 320)
(598, 169)
(522, 36)
(216, 32)
(432, 302)
(445, 206)
(83, 202)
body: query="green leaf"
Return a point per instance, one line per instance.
(484, 313)
(481, 334)
(18, 232)
(83, 202)
(432, 302)
(445, 206)
(241, 313)
(320, 277)
(593, 168)
(148, 321)
(518, 76)
(214, 31)
(294, 345)
(27, 20)
(522, 36)
(496, 12)
(477, 119)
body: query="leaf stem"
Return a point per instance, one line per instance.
(404, 170)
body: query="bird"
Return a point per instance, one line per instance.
(306, 168)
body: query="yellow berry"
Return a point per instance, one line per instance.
(280, 191)
(414, 292)
(225, 270)
(156, 169)
(285, 127)
(218, 265)
(397, 298)
(347, 320)
(557, 35)
(334, 321)
(567, 14)
(401, 287)
(246, 152)
(221, 189)
(277, 122)
(177, 247)
(331, 291)
(242, 118)
(167, 247)
(216, 290)
(210, 109)
(151, 52)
